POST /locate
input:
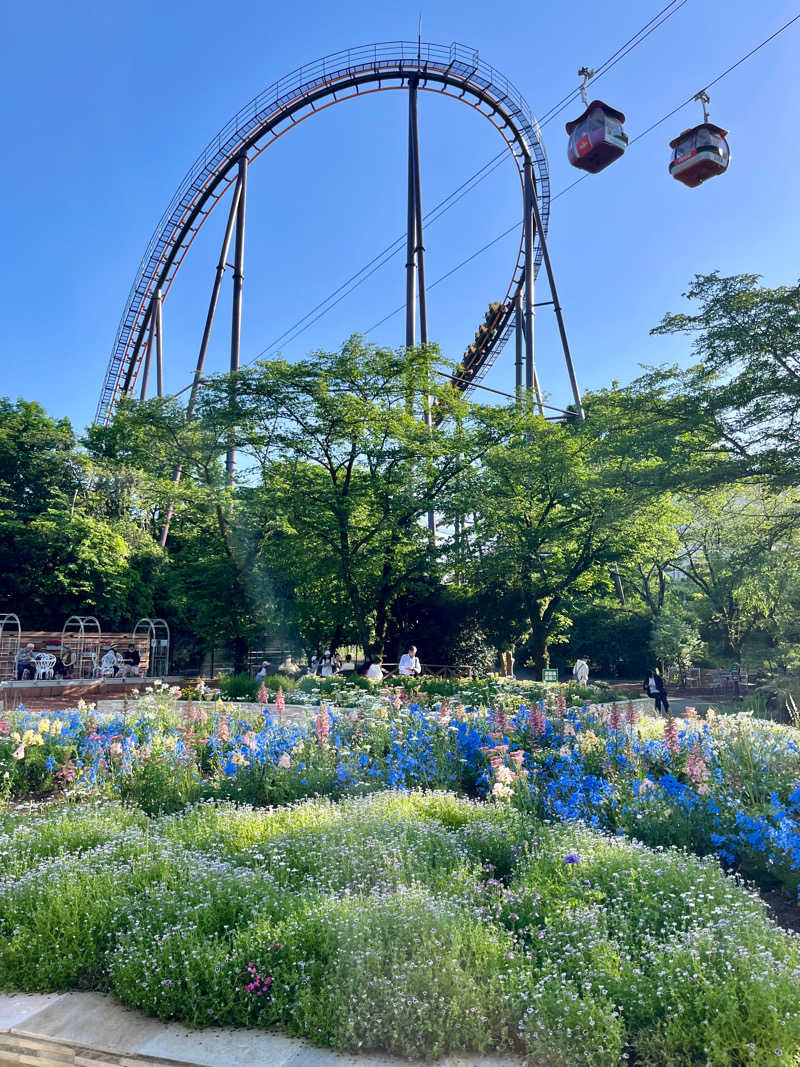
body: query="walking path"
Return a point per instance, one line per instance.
(92, 1030)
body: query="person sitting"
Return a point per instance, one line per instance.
(288, 666)
(130, 660)
(409, 662)
(348, 666)
(26, 664)
(62, 668)
(375, 670)
(108, 664)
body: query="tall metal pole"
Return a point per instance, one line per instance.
(159, 346)
(531, 226)
(148, 351)
(419, 248)
(576, 394)
(519, 336)
(201, 357)
(238, 281)
(411, 225)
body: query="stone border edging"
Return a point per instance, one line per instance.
(93, 1030)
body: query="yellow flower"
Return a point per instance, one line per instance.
(56, 726)
(44, 726)
(28, 737)
(15, 736)
(238, 759)
(589, 742)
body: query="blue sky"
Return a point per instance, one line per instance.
(107, 104)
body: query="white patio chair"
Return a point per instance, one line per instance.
(45, 661)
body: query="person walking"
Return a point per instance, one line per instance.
(655, 687)
(580, 672)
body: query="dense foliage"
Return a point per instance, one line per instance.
(676, 493)
(418, 923)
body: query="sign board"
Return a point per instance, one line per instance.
(550, 676)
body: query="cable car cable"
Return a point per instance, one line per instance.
(449, 201)
(388, 253)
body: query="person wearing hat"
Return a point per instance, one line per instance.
(25, 662)
(327, 664)
(109, 665)
(263, 671)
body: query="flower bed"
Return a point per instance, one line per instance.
(420, 923)
(727, 785)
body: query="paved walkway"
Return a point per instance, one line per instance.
(91, 1030)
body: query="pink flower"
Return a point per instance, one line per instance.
(19, 753)
(322, 726)
(263, 695)
(691, 713)
(285, 761)
(538, 721)
(671, 734)
(280, 700)
(631, 718)
(615, 720)
(5, 727)
(223, 731)
(518, 756)
(115, 748)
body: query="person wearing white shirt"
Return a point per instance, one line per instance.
(580, 672)
(409, 663)
(375, 672)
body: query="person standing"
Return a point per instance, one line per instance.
(655, 687)
(580, 672)
(327, 664)
(409, 662)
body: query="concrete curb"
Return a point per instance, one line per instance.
(92, 1030)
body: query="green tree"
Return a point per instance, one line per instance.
(747, 380)
(345, 471)
(552, 508)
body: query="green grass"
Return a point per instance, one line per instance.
(419, 923)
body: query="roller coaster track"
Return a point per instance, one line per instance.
(455, 71)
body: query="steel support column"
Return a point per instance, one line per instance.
(576, 395)
(201, 356)
(238, 282)
(519, 337)
(411, 222)
(532, 224)
(159, 345)
(148, 355)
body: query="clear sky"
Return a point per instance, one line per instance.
(106, 105)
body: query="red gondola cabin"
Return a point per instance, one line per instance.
(699, 154)
(596, 138)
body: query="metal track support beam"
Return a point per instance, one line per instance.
(201, 356)
(531, 225)
(519, 337)
(159, 345)
(238, 283)
(148, 354)
(576, 393)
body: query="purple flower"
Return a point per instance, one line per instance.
(572, 857)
